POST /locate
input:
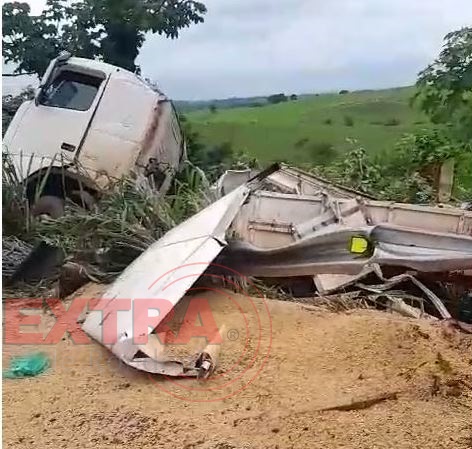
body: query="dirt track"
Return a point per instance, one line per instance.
(317, 360)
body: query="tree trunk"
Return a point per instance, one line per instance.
(121, 46)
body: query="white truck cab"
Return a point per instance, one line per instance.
(91, 123)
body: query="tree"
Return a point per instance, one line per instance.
(213, 108)
(10, 105)
(111, 30)
(445, 86)
(277, 98)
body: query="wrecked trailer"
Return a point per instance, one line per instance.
(277, 215)
(349, 250)
(276, 241)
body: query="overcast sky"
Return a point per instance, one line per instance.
(253, 47)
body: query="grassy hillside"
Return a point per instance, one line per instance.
(303, 130)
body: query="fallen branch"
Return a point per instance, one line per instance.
(361, 405)
(354, 405)
(410, 371)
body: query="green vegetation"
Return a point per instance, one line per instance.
(106, 239)
(445, 86)
(112, 30)
(10, 105)
(407, 173)
(348, 120)
(277, 98)
(389, 143)
(379, 142)
(273, 132)
(385, 142)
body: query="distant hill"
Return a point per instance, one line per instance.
(314, 127)
(227, 103)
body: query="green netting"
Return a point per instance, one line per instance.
(27, 366)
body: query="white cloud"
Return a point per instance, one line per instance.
(251, 47)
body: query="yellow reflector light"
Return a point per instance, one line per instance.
(358, 245)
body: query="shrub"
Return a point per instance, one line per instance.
(212, 160)
(15, 211)
(358, 171)
(343, 92)
(429, 147)
(242, 160)
(322, 153)
(348, 120)
(404, 174)
(328, 121)
(392, 122)
(301, 142)
(277, 98)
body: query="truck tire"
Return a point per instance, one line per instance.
(53, 206)
(83, 199)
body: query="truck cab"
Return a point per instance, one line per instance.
(89, 124)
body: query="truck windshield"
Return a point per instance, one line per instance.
(71, 90)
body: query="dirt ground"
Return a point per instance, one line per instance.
(317, 360)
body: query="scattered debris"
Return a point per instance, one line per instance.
(464, 327)
(14, 251)
(27, 366)
(389, 283)
(335, 237)
(191, 246)
(321, 240)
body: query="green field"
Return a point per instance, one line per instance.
(297, 131)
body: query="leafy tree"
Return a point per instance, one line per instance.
(10, 105)
(277, 98)
(445, 86)
(111, 30)
(213, 109)
(426, 147)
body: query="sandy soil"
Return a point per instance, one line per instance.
(317, 360)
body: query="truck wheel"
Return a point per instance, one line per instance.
(83, 199)
(52, 206)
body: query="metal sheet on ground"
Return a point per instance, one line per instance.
(173, 263)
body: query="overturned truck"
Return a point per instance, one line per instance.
(90, 124)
